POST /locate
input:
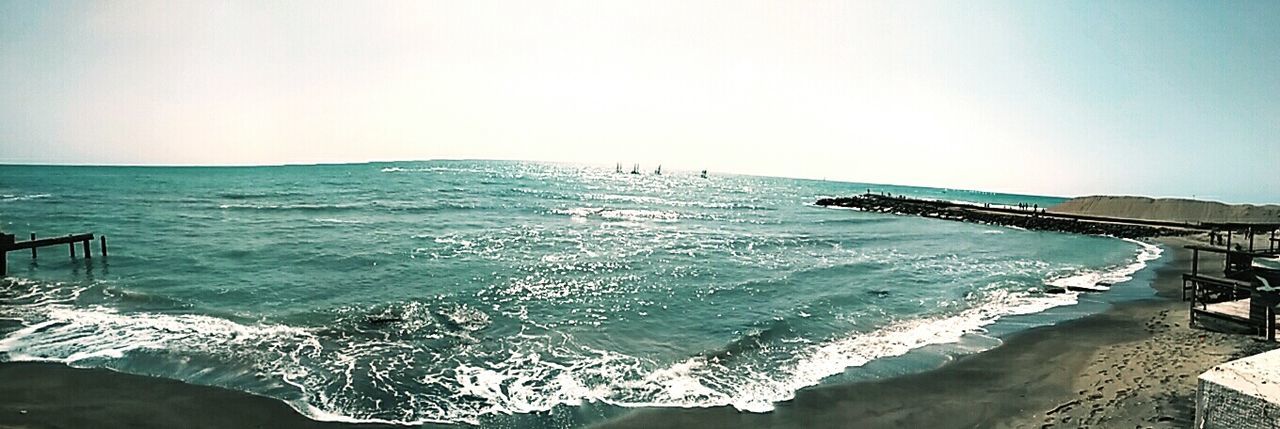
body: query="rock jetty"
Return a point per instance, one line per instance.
(1028, 218)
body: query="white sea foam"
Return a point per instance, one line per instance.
(524, 381)
(527, 382)
(620, 214)
(300, 207)
(533, 372)
(16, 198)
(1103, 279)
(337, 221)
(439, 170)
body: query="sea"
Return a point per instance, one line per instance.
(520, 294)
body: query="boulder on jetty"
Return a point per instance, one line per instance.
(1021, 218)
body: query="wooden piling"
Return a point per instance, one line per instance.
(1226, 262)
(1195, 262)
(1271, 324)
(1250, 238)
(6, 241)
(103, 241)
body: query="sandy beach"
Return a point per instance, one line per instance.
(1134, 365)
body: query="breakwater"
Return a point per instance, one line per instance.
(1028, 218)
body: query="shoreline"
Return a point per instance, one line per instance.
(1134, 363)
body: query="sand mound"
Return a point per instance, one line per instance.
(1168, 209)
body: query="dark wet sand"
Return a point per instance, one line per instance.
(48, 395)
(1134, 365)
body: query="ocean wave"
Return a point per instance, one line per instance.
(621, 214)
(335, 367)
(317, 370)
(293, 207)
(438, 361)
(14, 198)
(337, 221)
(440, 170)
(716, 378)
(1102, 280)
(250, 195)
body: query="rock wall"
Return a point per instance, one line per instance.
(1027, 219)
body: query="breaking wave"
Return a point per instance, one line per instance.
(370, 364)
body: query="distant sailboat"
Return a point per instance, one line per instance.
(635, 169)
(619, 169)
(658, 171)
(704, 174)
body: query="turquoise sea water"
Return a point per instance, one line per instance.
(507, 293)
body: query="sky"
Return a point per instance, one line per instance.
(1066, 98)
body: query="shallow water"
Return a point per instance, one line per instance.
(471, 291)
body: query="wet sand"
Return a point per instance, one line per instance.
(1134, 365)
(50, 395)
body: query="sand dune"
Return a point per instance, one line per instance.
(1168, 209)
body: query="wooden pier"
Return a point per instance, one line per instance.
(8, 243)
(1245, 294)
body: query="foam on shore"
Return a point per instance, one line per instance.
(538, 374)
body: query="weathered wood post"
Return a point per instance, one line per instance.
(1250, 238)
(71, 246)
(86, 249)
(1191, 305)
(103, 241)
(33, 249)
(6, 241)
(1195, 262)
(1226, 261)
(1195, 271)
(1271, 322)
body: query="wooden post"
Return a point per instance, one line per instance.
(1226, 260)
(86, 249)
(1251, 239)
(1195, 262)
(1271, 323)
(72, 248)
(33, 249)
(1191, 309)
(6, 240)
(103, 241)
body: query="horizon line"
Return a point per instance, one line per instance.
(320, 164)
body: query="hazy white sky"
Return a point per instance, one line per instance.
(1064, 98)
